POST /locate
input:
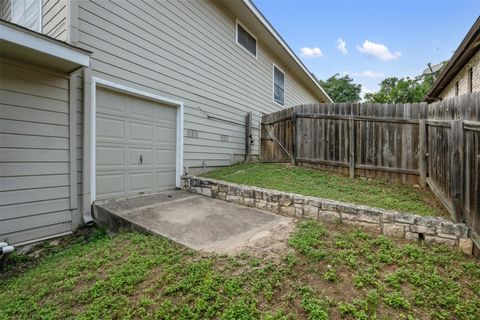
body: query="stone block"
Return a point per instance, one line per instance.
(369, 216)
(214, 187)
(404, 218)
(288, 211)
(231, 198)
(330, 216)
(298, 200)
(222, 188)
(394, 230)
(222, 196)
(207, 192)
(388, 216)
(261, 204)
(258, 194)
(299, 212)
(442, 241)
(447, 236)
(465, 245)
(310, 212)
(329, 205)
(285, 199)
(423, 229)
(458, 229)
(249, 202)
(347, 208)
(198, 190)
(412, 236)
(428, 222)
(348, 217)
(272, 206)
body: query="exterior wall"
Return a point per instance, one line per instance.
(35, 169)
(462, 78)
(186, 51)
(54, 17)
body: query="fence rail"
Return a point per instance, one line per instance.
(434, 144)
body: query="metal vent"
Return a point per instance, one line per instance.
(224, 138)
(192, 133)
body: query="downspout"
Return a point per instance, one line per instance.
(5, 250)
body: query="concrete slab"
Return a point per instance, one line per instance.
(195, 221)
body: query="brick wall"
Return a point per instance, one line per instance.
(462, 78)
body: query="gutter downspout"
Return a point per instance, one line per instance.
(5, 250)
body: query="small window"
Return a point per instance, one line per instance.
(470, 80)
(278, 86)
(27, 13)
(456, 88)
(246, 40)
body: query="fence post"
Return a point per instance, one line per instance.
(352, 143)
(294, 138)
(422, 152)
(457, 169)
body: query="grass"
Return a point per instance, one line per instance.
(330, 272)
(328, 185)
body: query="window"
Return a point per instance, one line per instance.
(278, 86)
(246, 40)
(27, 13)
(456, 88)
(470, 80)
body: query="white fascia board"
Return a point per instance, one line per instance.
(274, 33)
(36, 42)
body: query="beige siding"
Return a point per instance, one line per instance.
(462, 78)
(34, 153)
(54, 19)
(5, 9)
(186, 50)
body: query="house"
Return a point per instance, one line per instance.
(461, 75)
(101, 100)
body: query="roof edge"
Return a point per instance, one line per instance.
(447, 73)
(250, 5)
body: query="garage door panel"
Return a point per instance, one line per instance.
(167, 114)
(109, 185)
(110, 156)
(145, 153)
(164, 157)
(142, 108)
(141, 128)
(165, 135)
(110, 102)
(141, 181)
(108, 128)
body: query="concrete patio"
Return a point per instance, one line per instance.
(198, 222)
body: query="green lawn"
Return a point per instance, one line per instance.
(328, 185)
(329, 272)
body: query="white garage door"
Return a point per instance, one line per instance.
(135, 145)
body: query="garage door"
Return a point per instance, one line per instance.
(135, 145)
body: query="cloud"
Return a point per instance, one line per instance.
(342, 46)
(368, 74)
(378, 51)
(311, 52)
(364, 91)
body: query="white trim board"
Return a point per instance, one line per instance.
(99, 82)
(238, 23)
(38, 43)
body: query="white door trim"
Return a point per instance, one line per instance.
(99, 82)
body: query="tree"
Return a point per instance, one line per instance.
(403, 90)
(342, 89)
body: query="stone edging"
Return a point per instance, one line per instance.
(391, 223)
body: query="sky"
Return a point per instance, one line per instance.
(370, 40)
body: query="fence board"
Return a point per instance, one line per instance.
(436, 145)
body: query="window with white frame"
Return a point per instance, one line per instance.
(278, 86)
(27, 13)
(246, 40)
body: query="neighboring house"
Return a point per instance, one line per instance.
(461, 75)
(165, 91)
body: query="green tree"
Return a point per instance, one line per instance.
(403, 90)
(342, 89)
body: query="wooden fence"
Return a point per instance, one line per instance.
(436, 145)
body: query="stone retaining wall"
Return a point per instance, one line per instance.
(391, 223)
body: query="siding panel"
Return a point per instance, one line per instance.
(34, 153)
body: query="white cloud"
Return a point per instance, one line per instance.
(311, 52)
(364, 91)
(342, 46)
(378, 50)
(368, 74)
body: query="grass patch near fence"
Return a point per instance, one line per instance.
(323, 184)
(329, 272)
